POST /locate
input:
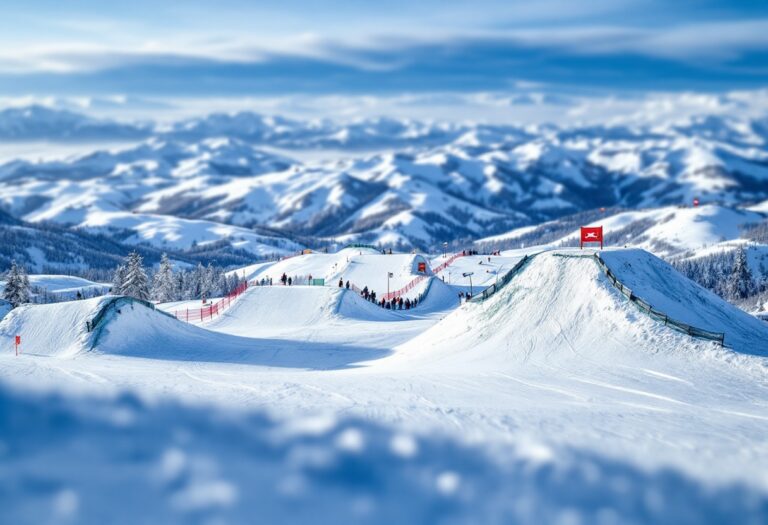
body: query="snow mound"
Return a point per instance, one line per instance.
(58, 330)
(360, 266)
(562, 305)
(665, 289)
(134, 329)
(264, 310)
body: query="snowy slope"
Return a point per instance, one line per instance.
(263, 311)
(558, 365)
(665, 289)
(168, 232)
(561, 306)
(485, 272)
(42, 123)
(65, 286)
(360, 266)
(665, 231)
(57, 330)
(439, 186)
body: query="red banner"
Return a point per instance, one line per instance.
(591, 234)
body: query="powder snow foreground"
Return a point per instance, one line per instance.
(121, 460)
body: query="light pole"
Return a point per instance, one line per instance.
(445, 250)
(389, 275)
(469, 274)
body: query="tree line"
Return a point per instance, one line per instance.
(133, 279)
(728, 274)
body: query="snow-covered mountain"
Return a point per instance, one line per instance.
(668, 231)
(431, 183)
(41, 123)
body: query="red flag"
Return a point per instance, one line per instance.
(592, 234)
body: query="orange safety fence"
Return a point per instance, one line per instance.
(206, 313)
(411, 285)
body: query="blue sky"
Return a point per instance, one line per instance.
(241, 48)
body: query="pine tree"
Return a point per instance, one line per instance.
(740, 284)
(117, 280)
(164, 282)
(222, 284)
(17, 286)
(136, 283)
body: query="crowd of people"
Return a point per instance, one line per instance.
(396, 303)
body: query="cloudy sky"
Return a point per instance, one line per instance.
(243, 48)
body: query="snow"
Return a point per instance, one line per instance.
(65, 286)
(5, 307)
(658, 283)
(472, 180)
(57, 330)
(486, 269)
(556, 399)
(672, 231)
(360, 266)
(174, 468)
(169, 232)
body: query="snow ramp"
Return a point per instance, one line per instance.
(280, 309)
(123, 326)
(64, 329)
(658, 284)
(561, 306)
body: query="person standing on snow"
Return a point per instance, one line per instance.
(290, 281)
(341, 283)
(347, 285)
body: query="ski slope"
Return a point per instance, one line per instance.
(271, 310)
(485, 272)
(65, 286)
(561, 304)
(360, 266)
(54, 330)
(557, 372)
(659, 284)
